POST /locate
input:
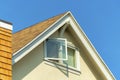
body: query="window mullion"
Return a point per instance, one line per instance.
(77, 62)
(60, 54)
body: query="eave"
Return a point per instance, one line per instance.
(68, 17)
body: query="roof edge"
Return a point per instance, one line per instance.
(94, 54)
(6, 24)
(38, 36)
(93, 48)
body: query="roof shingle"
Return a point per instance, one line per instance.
(23, 37)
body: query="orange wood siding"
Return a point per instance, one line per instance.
(5, 54)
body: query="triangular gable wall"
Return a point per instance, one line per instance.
(67, 18)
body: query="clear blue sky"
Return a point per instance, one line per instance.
(100, 20)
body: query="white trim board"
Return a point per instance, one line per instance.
(39, 39)
(6, 25)
(68, 17)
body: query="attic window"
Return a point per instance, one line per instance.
(56, 49)
(63, 52)
(71, 58)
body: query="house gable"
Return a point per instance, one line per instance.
(34, 64)
(82, 39)
(39, 38)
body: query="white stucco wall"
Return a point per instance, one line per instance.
(34, 67)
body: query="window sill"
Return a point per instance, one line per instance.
(63, 67)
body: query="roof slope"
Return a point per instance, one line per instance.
(23, 37)
(27, 35)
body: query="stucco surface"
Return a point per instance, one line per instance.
(34, 67)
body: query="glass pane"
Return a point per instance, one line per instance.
(56, 49)
(52, 49)
(71, 57)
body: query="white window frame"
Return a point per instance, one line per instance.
(55, 39)
(60, 61)
(77, 56)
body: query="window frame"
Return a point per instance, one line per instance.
(55, 39)
(60, 61)
(77, 56)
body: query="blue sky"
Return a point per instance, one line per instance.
(100, 20)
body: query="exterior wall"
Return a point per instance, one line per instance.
(29, 65)
(86, 72)
(5, 54)
(34, 67)
(85, 69)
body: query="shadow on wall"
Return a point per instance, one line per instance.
(90, 64)
(28, 63)
(64, 69)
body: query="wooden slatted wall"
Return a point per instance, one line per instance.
(5, 54)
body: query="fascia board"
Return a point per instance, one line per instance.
(91, 49)
(6, 25)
